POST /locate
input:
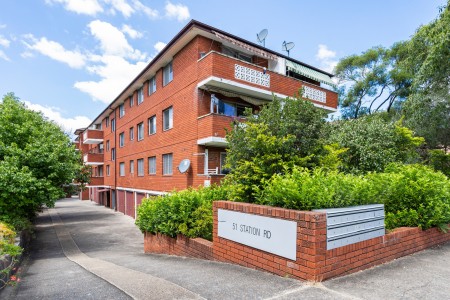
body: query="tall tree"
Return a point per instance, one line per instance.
(36, 160)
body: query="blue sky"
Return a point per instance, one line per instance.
(69, 58)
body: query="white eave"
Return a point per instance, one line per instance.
(213, 141)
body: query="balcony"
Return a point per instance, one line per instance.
(253, 84)
(96, 181)
(92, 136)
(211, 130)
(93, 159)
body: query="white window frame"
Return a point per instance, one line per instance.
(107, 146)
(152, 85)
(167, 73)
(107, 170)
(140, 134)
(131, 100)
(100, 171)
(152, 165)
(168, 113)
(113, 124)
(152, 125)
(113, 153)
(122, 169)
(168, 164)
(140, 96)
(140, 167)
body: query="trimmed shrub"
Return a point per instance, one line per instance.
(187, 212)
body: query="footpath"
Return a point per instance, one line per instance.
(85, 251)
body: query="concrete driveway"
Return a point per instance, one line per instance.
(85, 251)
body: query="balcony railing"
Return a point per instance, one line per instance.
(97, 181)
(93, 159)
(92, 136)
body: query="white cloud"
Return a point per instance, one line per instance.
(4, 42)
(115, 73)
(67, 124)
(113, 41)
(326, 57)
(151, 13)
(122, 6)
(2, 26)
(159, 46)
(131, 32)
(56, 51)
(4, 56)
(177, 11)
(85, 7)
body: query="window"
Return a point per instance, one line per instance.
(113, 153)
(107, 145)
(100, 171)
(152, 85)
(140, 165)
(131, 133)
(131, 101)
(122, 169)
(231, 109)
(152, 165)
(152, 125)
(131, 166)
(168, 118)
(223, 160)
(167, 164)
(113, 124)
(122, 139)
(140, 131)
(121, 110)
(167, 74)
(107, 170)
(106, 121)
(140, 96)
(100, 148)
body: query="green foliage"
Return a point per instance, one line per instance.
(7, 238)
(413, 195)
(373, 142)
(187, 212)
(286, 133)
(440, 161)
(36, 160)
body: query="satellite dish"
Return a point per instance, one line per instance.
(262, 36)
(184, 165)
(287, 46)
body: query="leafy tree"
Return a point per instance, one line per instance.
(284, 134)
(373, 142)
(36, 160)
(372, 80)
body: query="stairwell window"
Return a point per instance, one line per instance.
(167, 164)
(113, 125)
(122, 169)
(140, 96)
(140, 166)
(131, 133)
(122, 139)
(107, 170)
(131, 101)
(167, 74)
(140, 130)
(107, 145)
(152, 165)
(152, 125)
(131, 166)
(152, 85)
(168, 118)
(121, 110)
(113, 153)
(106, 121)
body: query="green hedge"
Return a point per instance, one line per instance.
(187, 212)
(413, 195)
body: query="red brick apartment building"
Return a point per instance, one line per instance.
(176, 111)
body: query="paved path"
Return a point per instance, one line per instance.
(86, 251)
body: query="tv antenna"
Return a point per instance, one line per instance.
(184, 165)
(262, 37)
(287, 46)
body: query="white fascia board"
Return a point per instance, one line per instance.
(157, 193)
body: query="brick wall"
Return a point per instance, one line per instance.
(181, 246)
(313, 262)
